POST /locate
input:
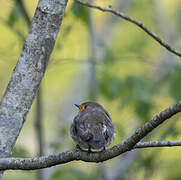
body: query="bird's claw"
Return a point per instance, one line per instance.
(78, 147)
(89, 150)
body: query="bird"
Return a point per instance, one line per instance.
(92, 127)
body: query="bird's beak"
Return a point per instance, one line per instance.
(77, 105)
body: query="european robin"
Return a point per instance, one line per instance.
(92, 127)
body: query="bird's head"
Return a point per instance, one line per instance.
(87, 106)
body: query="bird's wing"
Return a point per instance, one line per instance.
(84, 133)
(79, 130)
(103, 118)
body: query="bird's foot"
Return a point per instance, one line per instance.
(78, 147)
(103, 149)
(89, 150)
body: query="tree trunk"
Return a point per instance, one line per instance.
(29, 71)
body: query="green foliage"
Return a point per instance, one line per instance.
(143, 108)
(132, 90)
(15, 14)
(109, 58)
(138, 92)
(137, 45)
(174, 84)
(171, 131)
(81, 12)
(110, 86)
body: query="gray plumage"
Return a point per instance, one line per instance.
(92, 128)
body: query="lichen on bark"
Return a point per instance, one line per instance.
(29, 71)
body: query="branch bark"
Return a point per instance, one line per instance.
(157, 144)
(137, 23)
(127, 145)
(29, 71)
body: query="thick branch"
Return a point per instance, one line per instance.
(137, 23)
(127, 145)
(29, 71)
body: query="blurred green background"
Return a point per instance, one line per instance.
(103, 58)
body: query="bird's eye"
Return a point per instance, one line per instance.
(85, 106)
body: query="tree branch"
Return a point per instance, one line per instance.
(157, 144)
(137, 23)
(71, 155)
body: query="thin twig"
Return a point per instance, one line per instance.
(71, 155)
(152, 144)
(137, 23)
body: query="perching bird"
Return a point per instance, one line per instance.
(92, 127)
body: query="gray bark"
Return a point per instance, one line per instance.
(29, 71)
